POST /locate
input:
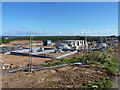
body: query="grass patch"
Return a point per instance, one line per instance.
(54, 61)
(104, 61)
(99, 59)
(102, 83)
(111, 66)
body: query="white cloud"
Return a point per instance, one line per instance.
(26, 32)
(105, 32)
(22, 31)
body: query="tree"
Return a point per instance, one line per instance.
(5, 40)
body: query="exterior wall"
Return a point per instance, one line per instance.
(74, 43)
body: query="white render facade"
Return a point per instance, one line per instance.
(73, 43)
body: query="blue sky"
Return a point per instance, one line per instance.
(59, 18)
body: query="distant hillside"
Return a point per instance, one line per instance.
(54, 38)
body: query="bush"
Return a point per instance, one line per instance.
(104, 61)
(4, 40)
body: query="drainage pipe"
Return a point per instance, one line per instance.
(67, 54)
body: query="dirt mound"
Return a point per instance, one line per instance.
(62, 77)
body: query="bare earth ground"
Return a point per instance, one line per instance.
(62, 77)
(21, 60)
(77, 55)
(23, 41)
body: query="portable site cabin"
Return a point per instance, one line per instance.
(47, 43)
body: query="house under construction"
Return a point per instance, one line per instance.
(77, 44)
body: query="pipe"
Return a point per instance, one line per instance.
(61, 56)
(13, 71)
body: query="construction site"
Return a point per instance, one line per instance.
(72, 44)
(25, 63)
